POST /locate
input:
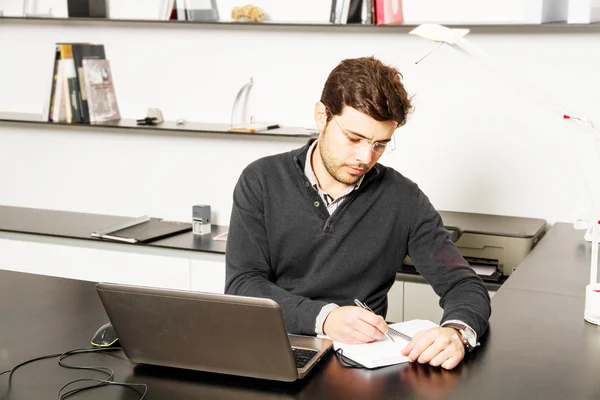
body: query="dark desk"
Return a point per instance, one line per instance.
(74, 225)
(538, 346)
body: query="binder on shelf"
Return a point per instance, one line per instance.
(87, 8)
(388, 12)
(142, 230)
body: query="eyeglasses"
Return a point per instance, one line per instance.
(359, 142)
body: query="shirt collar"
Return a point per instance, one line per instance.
(310, 173)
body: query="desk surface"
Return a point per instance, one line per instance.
(74, 225)
(538, 345)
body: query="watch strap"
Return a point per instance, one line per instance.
(463, 330)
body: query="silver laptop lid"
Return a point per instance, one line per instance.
(201, 331)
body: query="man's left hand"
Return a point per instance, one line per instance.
(436, 346)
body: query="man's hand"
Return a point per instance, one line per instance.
(437, 346)
(352, 324)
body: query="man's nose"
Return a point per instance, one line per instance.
(365, 155)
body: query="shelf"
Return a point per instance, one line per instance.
(165, 127)
(316, 25)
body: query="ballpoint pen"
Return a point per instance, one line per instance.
(365, 307)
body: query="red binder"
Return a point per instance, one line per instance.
(388, 12)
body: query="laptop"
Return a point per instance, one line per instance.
(210, 332)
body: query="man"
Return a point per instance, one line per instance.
(320, 226)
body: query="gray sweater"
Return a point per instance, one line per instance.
(283, 245)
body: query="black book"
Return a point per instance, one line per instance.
(81, 52)
(355, 12)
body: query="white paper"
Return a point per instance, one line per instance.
(484, 270)
(383, 352)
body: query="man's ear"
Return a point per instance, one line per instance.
(320, 116)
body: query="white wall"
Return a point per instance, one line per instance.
(474, 142)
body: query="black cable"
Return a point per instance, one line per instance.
(13, 369)
(100, 382)
(346, 362)
(104, 370)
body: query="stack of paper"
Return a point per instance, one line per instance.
(383, 352)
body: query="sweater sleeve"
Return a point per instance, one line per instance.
(249, 271)
(463, 296)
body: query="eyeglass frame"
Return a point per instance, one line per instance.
(353, 138)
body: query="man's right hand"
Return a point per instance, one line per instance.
(352, 324)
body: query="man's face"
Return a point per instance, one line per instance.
(346, 144)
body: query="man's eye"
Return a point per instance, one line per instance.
(380, 146)
(353, 138)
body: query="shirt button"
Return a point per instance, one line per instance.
(306, 184)
(316, 204)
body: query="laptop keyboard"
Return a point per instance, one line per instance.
(302, 356)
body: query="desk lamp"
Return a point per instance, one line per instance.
(455, 38)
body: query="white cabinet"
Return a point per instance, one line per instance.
(421, 302)
(208, 273)
(95, 264)
(166, 268)
(395, 312)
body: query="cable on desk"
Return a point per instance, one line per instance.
(99, 382)
(346, 362)
(13, 369)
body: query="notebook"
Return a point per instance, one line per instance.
(383, 352)
(210, 332)
(143, 230)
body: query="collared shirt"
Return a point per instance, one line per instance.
(332, 204)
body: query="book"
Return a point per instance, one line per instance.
(60, 112)
(48, 114)
(355, 12)
(388, 12)
(100, 90)
(143, 230)
(66, 53)
(383, 352)
(83, 51)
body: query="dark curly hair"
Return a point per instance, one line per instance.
(369, 86)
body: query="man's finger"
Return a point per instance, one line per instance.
(408, 348)
(371, 325)
(442, 357)
(451, 362)
(437, 347)
(423, 342)
(373, 319)
(360, 337)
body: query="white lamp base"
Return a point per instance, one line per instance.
(592, 304)
(588, 236)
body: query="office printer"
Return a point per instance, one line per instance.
(493, 245)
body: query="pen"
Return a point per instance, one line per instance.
(365, 307)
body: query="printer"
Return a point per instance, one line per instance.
(493, 245)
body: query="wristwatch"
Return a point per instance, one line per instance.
(467, 334)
